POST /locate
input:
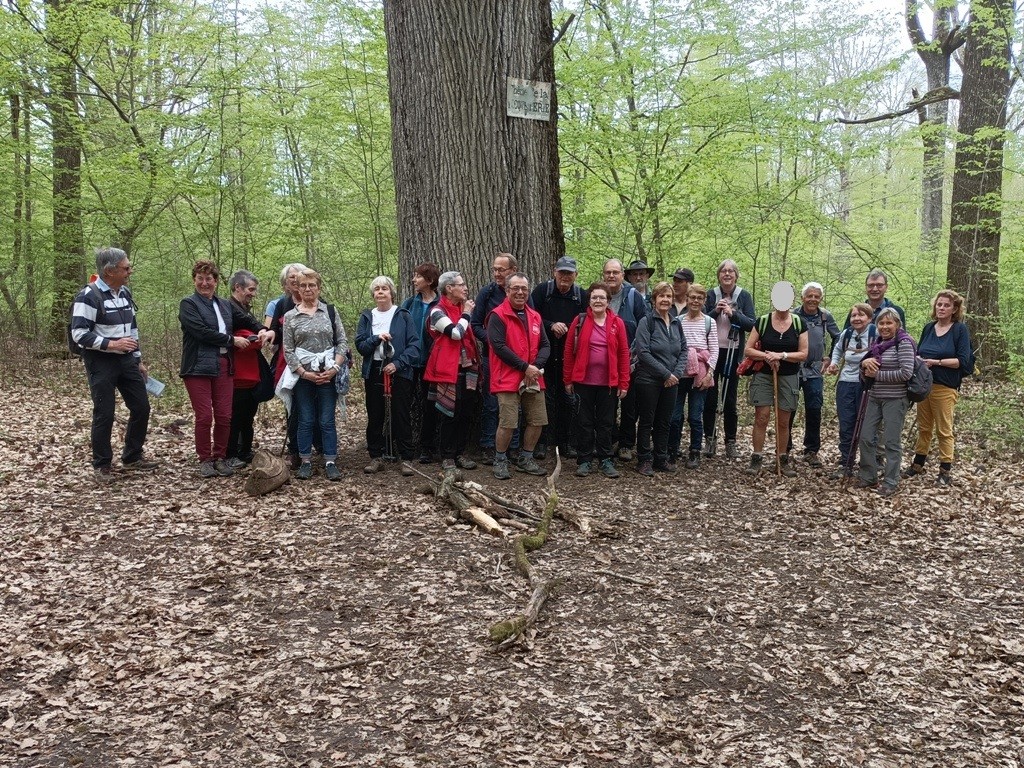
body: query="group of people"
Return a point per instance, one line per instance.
(606, 374)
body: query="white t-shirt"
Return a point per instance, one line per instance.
(381, 324)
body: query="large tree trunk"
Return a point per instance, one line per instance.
(935, 54)
(68, 236)
(469, 181)
(976, 217)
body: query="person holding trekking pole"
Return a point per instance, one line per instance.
(847, 354)
(732, 309)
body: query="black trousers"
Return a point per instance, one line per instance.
(401, 415)
(109, 373)
(424, 415)
(655, 403)
(243, 412)
(627, 418)
(453, 431)
(561, 407)
(595, 422)
(731, 416)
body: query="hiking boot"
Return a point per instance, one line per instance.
(529, 466)
(568, 452)
(665, 466)
(624, 454)
(756, 463)
(840, 472)
(425, 458)
(711, 447)
(207, 469)
(540, 452)
(294, 462)
(786, 466)
(103, 475)
(732, 451)
(236, 463)
(646, 468)
(608, 468)
(305, 471)
(583, 469)
(812, 460)
(375, 465)
(140, 465)
(912, 471)
(463, 463)
(862, 483)
(406, 470)
(885, 491)
(693, 462)
(223, 468)
(487, 455)
(332, 471)
(501, 470)
(945, 478)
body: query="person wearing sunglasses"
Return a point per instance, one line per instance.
(847, 354)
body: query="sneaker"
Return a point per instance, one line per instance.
(540, 452)
(487, 455)
(140, 465)
(406, 470)
(812, 460)
(693, 462)
(710, 447)
(732, 451)
(375, 465)
(756, 463)
(840, 472)
(945, 478)
(332, 471)
(608, 468)
(529, 466)
(236, 463)
(624, 454)
(912, 471)
(646, 468)
(786, 466)
(463, 463)
(207, 469)
(583, 469)
(862, 483)
(305, 471)
(223, 468)
(103, 475)
(885, 490)
(501, 470)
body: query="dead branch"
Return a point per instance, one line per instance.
(944, 93)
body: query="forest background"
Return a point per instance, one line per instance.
(688, 132)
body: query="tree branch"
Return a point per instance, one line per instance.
(945, 93)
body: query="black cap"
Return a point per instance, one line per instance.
(683, 274)
(566, 264)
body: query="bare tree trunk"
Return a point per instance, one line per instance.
(68, 236)
(469, 181)
(976, 219)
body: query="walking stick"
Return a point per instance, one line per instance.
(730, 355)
(778, 432)
(855, 442)
(389, 438)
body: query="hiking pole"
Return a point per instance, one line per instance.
(389, 438)
(778, 432)
(730, 356)
(855, 442)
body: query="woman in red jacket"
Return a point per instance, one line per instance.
(596, 371)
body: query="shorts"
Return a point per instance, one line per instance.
(534, 410)
(761, 391)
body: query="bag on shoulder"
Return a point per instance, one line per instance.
(748, 366)
(920, 383)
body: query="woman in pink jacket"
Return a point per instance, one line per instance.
(596, 372)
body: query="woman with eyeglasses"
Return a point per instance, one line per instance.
(847, 354)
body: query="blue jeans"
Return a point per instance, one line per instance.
(847, 403)
(315, 405)
(694, 416)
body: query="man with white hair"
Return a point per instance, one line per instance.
(818, 322)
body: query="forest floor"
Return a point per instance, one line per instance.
(715, 620)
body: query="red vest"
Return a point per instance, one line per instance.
(505, 378)
(443, 363)
(577, 347)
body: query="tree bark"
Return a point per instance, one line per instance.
(469, 181)
(972, 267)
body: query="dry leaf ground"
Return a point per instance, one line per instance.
(174, 621)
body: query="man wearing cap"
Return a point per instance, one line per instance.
(682, 279)
(638, 274)
(558, 301)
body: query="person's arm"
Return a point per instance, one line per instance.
(340, 341)
(498, 343)
(544, 350)
(443, 324)
(962, 342)
(680, 367)
(366, 342)
(832, 329)
(569, 352)
(288, 345)
(623, 358)
(712, 336)
(476, 320)
(802, 349)
(404, 330)
(750, 349)
(743, 313)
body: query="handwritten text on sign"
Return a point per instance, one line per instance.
(529, 98)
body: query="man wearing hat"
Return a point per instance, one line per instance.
(682, 279)
(558, 301)
(638, 274)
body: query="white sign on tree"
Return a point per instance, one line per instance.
(529, 98)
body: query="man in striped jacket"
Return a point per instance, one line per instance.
(103, 325)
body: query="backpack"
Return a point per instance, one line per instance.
(920, 383)
(577, 292)
(847, 335)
